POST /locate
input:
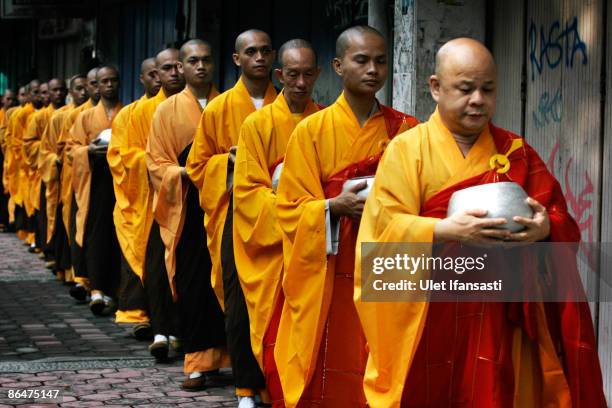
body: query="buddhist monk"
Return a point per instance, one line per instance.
(210, 166)
(94, 195)
(258, 245)
(180, 218)
(50, 167)
(54, 94)
(80, 291)
(20, 182)
(320, 349)
(132, 301)
(147, 251)
(9, 102)
(500, 354)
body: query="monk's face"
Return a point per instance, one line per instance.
(57, 92)
(108, 83)
(197, 65)
(78, 91)
(150, 80)
(167, 67)
(34, 95)
(255, 56)
(364, 66)
(9, 99)
(465, 91)
(45, 98)
(92, 86)
(22, 96)
(298, 74)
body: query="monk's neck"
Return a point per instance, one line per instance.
(295, 107)
(465, 143)
(256, 87)
(109, 106)
(58, 105)
(200, 92)
(362, 106)
(170, 92)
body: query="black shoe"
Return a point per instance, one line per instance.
(194, 384)
(97, 307)
(78, 292)
(159, 350)
(142, 331)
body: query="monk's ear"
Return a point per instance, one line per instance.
(337, 66)
(180, 68)
(278, 73)
(236, 58)
(434, 87)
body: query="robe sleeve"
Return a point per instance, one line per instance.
(391, 214)
(31, 143)
(207, 169)
(48, 156)
(78, 148)
(257, 236)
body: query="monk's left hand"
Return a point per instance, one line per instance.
(537, 228)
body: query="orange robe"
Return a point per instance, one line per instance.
(258, 247)
(172, 132)
(31, 148)
(467, 354)
(86, 129)
(320, 349)
(218, 131)
(64, 147)
(137, 189)
(47, 165)
(19, 182)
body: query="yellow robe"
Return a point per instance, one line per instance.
(320, 146)
(19, 184)
(47, 164)
(86, 129)
(5, 133)
(218, 131)
(122, 211)
(63, 150)
(137, 190)
(258, 247)
(178, 116)
(31, 149)
(422, 162)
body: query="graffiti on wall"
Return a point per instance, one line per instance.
(555, 44)
(548, 110)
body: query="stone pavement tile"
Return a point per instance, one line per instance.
(143, 395)
(101, 396)
(170, 400)
(21, 385)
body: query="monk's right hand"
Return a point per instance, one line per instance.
(348, 203)
(469, 227)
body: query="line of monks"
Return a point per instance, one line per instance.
(218, 224)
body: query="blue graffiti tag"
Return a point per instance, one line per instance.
(548, 110)
(554, 45)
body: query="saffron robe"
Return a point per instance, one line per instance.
(47, 164)
(187, 259)
(19, 185)
(316, 362)
(258, 248)
(207, 163)
(515, 361)
(31, 149)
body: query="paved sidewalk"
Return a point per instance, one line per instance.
(48, 342)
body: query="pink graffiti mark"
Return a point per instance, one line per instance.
(580, 205)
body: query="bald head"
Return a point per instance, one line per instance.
(166, 54)
(247, 36)
(464, 87)
(147, 65)
(108, 83)
(347, 36)
(191, 44)
(22, 96)
(9, 99)
(167, 62)
(149, 77)
(463, 53)
(295, 44)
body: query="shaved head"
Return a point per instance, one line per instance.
(344, 39)
(92, 85)
(168, 53)
(193, 43)
(246, 36)
(292, 45)
(92, 73)
(57, 82)
(73, 79)
(147, 65)
(57, 92)
(463, 51)
(105, 70)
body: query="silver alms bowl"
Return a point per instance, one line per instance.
(348, 184)
(104, 137)
(501, 200)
